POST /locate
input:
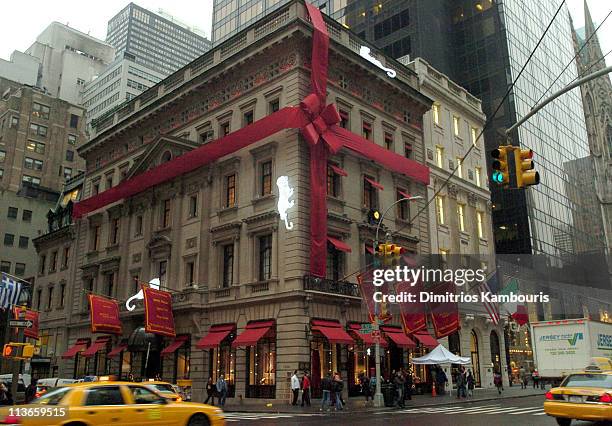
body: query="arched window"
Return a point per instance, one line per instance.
(495, 352)
(589, 103)
(166, 156)
(475, 357)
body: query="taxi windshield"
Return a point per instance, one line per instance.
(53, 397)
(588, 381)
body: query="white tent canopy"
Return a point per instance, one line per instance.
(441, 355)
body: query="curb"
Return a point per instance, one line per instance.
(285, 410)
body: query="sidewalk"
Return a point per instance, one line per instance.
(357, 404)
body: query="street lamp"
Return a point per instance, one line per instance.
(378, 397)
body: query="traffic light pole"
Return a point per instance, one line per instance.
(555, 95)
(378, 396)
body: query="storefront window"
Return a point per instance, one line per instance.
(224, 363)
(182, 358)
(126, 365)
(261, 367)
(324, 359)
(81, 366)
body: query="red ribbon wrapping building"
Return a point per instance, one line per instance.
(104, 313)
(317, 122)
(159, 318)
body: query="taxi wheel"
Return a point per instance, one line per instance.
(198, 420)
(563, 421)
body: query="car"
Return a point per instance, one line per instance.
(109, 402)
(583, 396)
(165, 389)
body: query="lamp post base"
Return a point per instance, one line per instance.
(379, 401)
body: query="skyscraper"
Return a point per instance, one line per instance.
(160, 43)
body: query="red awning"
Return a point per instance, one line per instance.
(338, 170)
(339, 245)
(96, 346)
(366, 338)
(375, 184)
(425, 338)
(404, 194)
(80, 345)
(252, 333)
(176, 343)
(369, 248)
(215, 336)
(333, 331)
(399, 337)
(117, 350)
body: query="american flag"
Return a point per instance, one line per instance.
(491, 307)
(10, 290)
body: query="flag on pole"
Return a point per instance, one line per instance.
(10, 290)
(491, 307)
(517, 311)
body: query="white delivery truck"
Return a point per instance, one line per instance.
(567, 346)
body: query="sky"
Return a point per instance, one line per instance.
(25, 19)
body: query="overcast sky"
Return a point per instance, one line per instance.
(23, 20)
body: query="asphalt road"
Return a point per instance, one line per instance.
(505, 412)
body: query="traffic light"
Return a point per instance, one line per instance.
(501, 175)
(523, 164)
(18, 350)
(391, 253)
(373, 217)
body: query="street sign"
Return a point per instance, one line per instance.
(20, 323)
(376, 336)
(366, 328)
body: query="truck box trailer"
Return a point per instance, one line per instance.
(567, 346)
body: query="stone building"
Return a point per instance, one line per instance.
(244, 303)
(460, 214)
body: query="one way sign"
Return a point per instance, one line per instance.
(20, 323)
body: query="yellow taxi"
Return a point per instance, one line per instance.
(583, 396)
(109, 403)
(165, 389)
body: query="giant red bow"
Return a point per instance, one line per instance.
(318, 125)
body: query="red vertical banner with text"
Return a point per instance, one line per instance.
(413, 312)
(104, 314)
(159, 318)
(368, 290)
(444, 315)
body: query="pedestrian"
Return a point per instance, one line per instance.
(338, 385)
(295, 387)
(470, 383)
(398, 381)
(306, 389)
(461, 382)
(441, 381)
(364, 381)
(535, 377)
(408, 385)
(221, 390)
(326, 387)
(497, 381)
(523, 377)
(210, 391)
(6, 398)
(30, 391)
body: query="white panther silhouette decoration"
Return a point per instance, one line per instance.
(154, 283)
(285, 192)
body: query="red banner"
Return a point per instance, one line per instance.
(104, 314)
(444, 315)
(368, 289)
(31, 332)
(413, 313)
(158, 312)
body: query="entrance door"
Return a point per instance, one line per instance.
(475, 358)
(495, 352)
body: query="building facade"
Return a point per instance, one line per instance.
(39, 135)
(68, 59)
(122, 81)
(596, 96)
(160, 43)
(214, 237)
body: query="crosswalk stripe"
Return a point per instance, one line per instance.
(493, 410)
(453, 409)
(530, 410)
(539, 414)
